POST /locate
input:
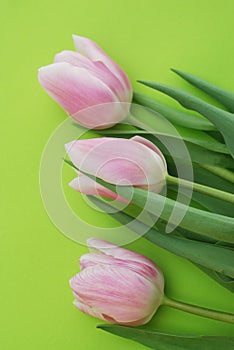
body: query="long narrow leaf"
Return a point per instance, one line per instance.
(197, 137)
(176, 117)
(165, 341)
(221, 95)
(224, 121)
(207, 178)
(213, 225)
(197, 153)
(225, 281)
(126, 217)
(150, 121)
(219, 259)
(216, 226)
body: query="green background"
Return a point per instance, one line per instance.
(146, 38)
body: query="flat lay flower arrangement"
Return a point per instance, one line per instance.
(174, 165)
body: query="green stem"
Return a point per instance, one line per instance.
(200, 311)
(221, 172)
(210, 191)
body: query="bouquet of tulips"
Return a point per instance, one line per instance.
(175, 166)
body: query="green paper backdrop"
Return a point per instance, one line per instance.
(146, 38)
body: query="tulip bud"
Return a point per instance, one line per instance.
(136, 161)
(80, 80)
(117, 285)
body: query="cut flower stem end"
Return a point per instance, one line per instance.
(197, 310)
(210, 191)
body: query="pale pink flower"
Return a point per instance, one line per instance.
(117, 285)
(81, 80)
(124, 162)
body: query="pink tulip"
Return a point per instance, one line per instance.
(80, 80)
(135, 161)
(117, 285)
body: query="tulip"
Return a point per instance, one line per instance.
(117, 285)
(89, 86)
(124, 162)
(123, 287)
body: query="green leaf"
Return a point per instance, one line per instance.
(222, 173)
(213, 225)
(153, 122)
(202, 139)
(126, 218)
(213, 204)
(205, 177)
(166, 341)
(225, 281)
(221, 95)
(181, 232)
(218, 227)
(176, 117)
(172, 193)
(224, 121)
(197, 137)
(208, 255)
(197, 153)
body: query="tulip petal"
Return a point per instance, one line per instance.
(93, 259)
(74, 58)
(146, 269)
(86, 185)
(150, 145)
(124, 95)
(118, 293)
(118, 161)
(74, 88)
(91, 50)
(97, 69)
(109, 249)
(88, 310)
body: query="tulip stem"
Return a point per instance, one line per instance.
(210, 191)
(200, 311)
(221, 172)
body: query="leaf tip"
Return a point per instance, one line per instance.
(176, 71)
(104, 327)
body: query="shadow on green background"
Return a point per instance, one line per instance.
(146, 38)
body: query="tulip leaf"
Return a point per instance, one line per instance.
(225, 281)
(222, 173)
(224, 121)
(200, 155)
(172, 193)
(161, 225)
(205, 177)
(166, 341)
(197, 153)
(128, 214)
(203, 174)
(212, 204)
(197, 137)
(217, 258)
(151, 122)
(218, 227)
(221, 95)
(174, 116)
